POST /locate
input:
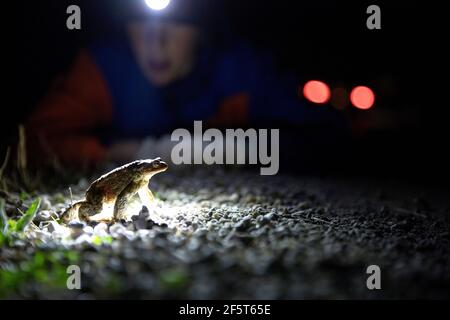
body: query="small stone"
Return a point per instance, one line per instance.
(76, 224)
(193, 244)
(60, 233)
(200, 232)
(261, 220)
(144, 213)
(243, 224)
(100, 227)
(88, 230)
(270, 216)
(150, 224)
(117, 229)
(84, 238)
(44, 215)
(43, 235)
(101, 230)
(143, 233)
(101, 233)
(140, 220)
(76, 228)
(211, 226)
(130, 235)
(53, 226)
(257, 211)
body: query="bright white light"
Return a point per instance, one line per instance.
(157, 4)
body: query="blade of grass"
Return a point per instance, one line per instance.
(21, 151)
(3, 217)
(4, 164)
(22, 158)
(28, 216)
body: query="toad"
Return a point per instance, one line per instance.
(108, 196)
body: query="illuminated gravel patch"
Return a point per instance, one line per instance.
(235, 234)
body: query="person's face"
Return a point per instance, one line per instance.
(164, 50)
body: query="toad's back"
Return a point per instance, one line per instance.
(112, 183)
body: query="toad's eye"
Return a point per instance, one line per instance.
(155, 164)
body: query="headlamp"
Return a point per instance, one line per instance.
(195, 12)
(157, 4)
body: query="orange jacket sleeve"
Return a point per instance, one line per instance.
(63, 123)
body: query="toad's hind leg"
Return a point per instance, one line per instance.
(122, 200)
(90, 211)
(105, 212)
(72, 212)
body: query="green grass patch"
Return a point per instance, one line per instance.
(174, 278)
(48, 269)
(9, 227)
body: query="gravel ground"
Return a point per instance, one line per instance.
(217, 234)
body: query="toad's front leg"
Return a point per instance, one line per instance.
(146, 196)
(123, 199)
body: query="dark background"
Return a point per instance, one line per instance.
(405, 134)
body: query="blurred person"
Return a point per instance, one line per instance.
(121, 99)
